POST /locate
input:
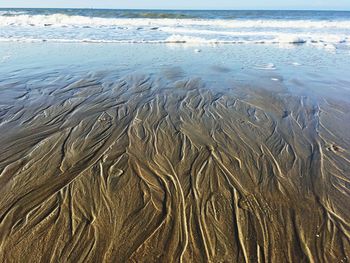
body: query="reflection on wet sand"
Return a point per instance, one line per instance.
(141, 169)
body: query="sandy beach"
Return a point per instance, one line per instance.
(165, 167)
(174, 136)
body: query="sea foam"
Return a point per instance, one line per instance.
(61, 27)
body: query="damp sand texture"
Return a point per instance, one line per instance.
(137, 169)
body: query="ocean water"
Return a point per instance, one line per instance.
(329, 29)
(303, 51)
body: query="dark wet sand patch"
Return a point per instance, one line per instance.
(143, 169)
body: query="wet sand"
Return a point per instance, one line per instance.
(143, 168)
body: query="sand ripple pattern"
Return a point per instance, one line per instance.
(144, 169)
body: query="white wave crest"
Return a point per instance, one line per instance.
(67, 20)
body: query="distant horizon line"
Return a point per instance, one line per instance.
(178, 9)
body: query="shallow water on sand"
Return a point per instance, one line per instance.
(147, 153)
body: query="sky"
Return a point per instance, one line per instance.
(184, 4)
